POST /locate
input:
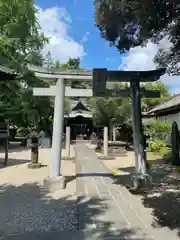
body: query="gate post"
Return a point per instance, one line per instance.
(68, 141)
(105, 141)
(55, 175)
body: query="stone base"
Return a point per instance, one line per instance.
(55, 183)
(106, 158)
(142, 183)
(68, 158)
(34, 165)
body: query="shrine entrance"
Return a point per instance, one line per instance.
(80, 120)
(80, 126)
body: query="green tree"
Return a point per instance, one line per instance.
(130, 23)
(148, 103)
(108, 110)
(21, 41)
(20, 33)
(127, 24)
(74, 64)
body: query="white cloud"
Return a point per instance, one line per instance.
(141, 58)
(85, 37)
(55, 23)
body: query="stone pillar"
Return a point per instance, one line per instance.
(114, 133)
(58, 124)
(106, 141)
(68, 141)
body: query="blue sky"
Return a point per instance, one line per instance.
(71, 27)
(98, 53)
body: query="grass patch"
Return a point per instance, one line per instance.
(116, 172)
(98, 150)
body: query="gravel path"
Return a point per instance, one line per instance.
(27, 207)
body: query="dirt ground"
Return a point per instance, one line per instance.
(17, 172)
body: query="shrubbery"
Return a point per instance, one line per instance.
(157, 134)
(157, 130)
(158, 147)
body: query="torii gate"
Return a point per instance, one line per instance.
(99, 77)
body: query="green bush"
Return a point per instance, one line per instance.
(164, 152)
(157, 130)
(22, 132)
(158, 147)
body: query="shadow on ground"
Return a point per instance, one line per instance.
(12, 162)
(163, 198)
(73, 177)
(13, 147)
(29, 212)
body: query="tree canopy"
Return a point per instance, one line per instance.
(21, 41)
(130, 23)
(119, 110)
(148, 103)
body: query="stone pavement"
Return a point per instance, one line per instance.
(106, 210)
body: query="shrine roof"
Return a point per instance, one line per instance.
(79, 108)
(79, 105)
(7, 74)
(80, 113)
(172, 103)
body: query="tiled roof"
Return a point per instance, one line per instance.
(7, 74)
(79, 113)
(7, 70)
(166, 105)
(75, 103)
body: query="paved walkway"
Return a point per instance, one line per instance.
(106, 210)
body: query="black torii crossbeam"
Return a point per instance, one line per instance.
(100, 79)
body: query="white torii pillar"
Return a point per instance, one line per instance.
(59, 91)
(58, 125)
